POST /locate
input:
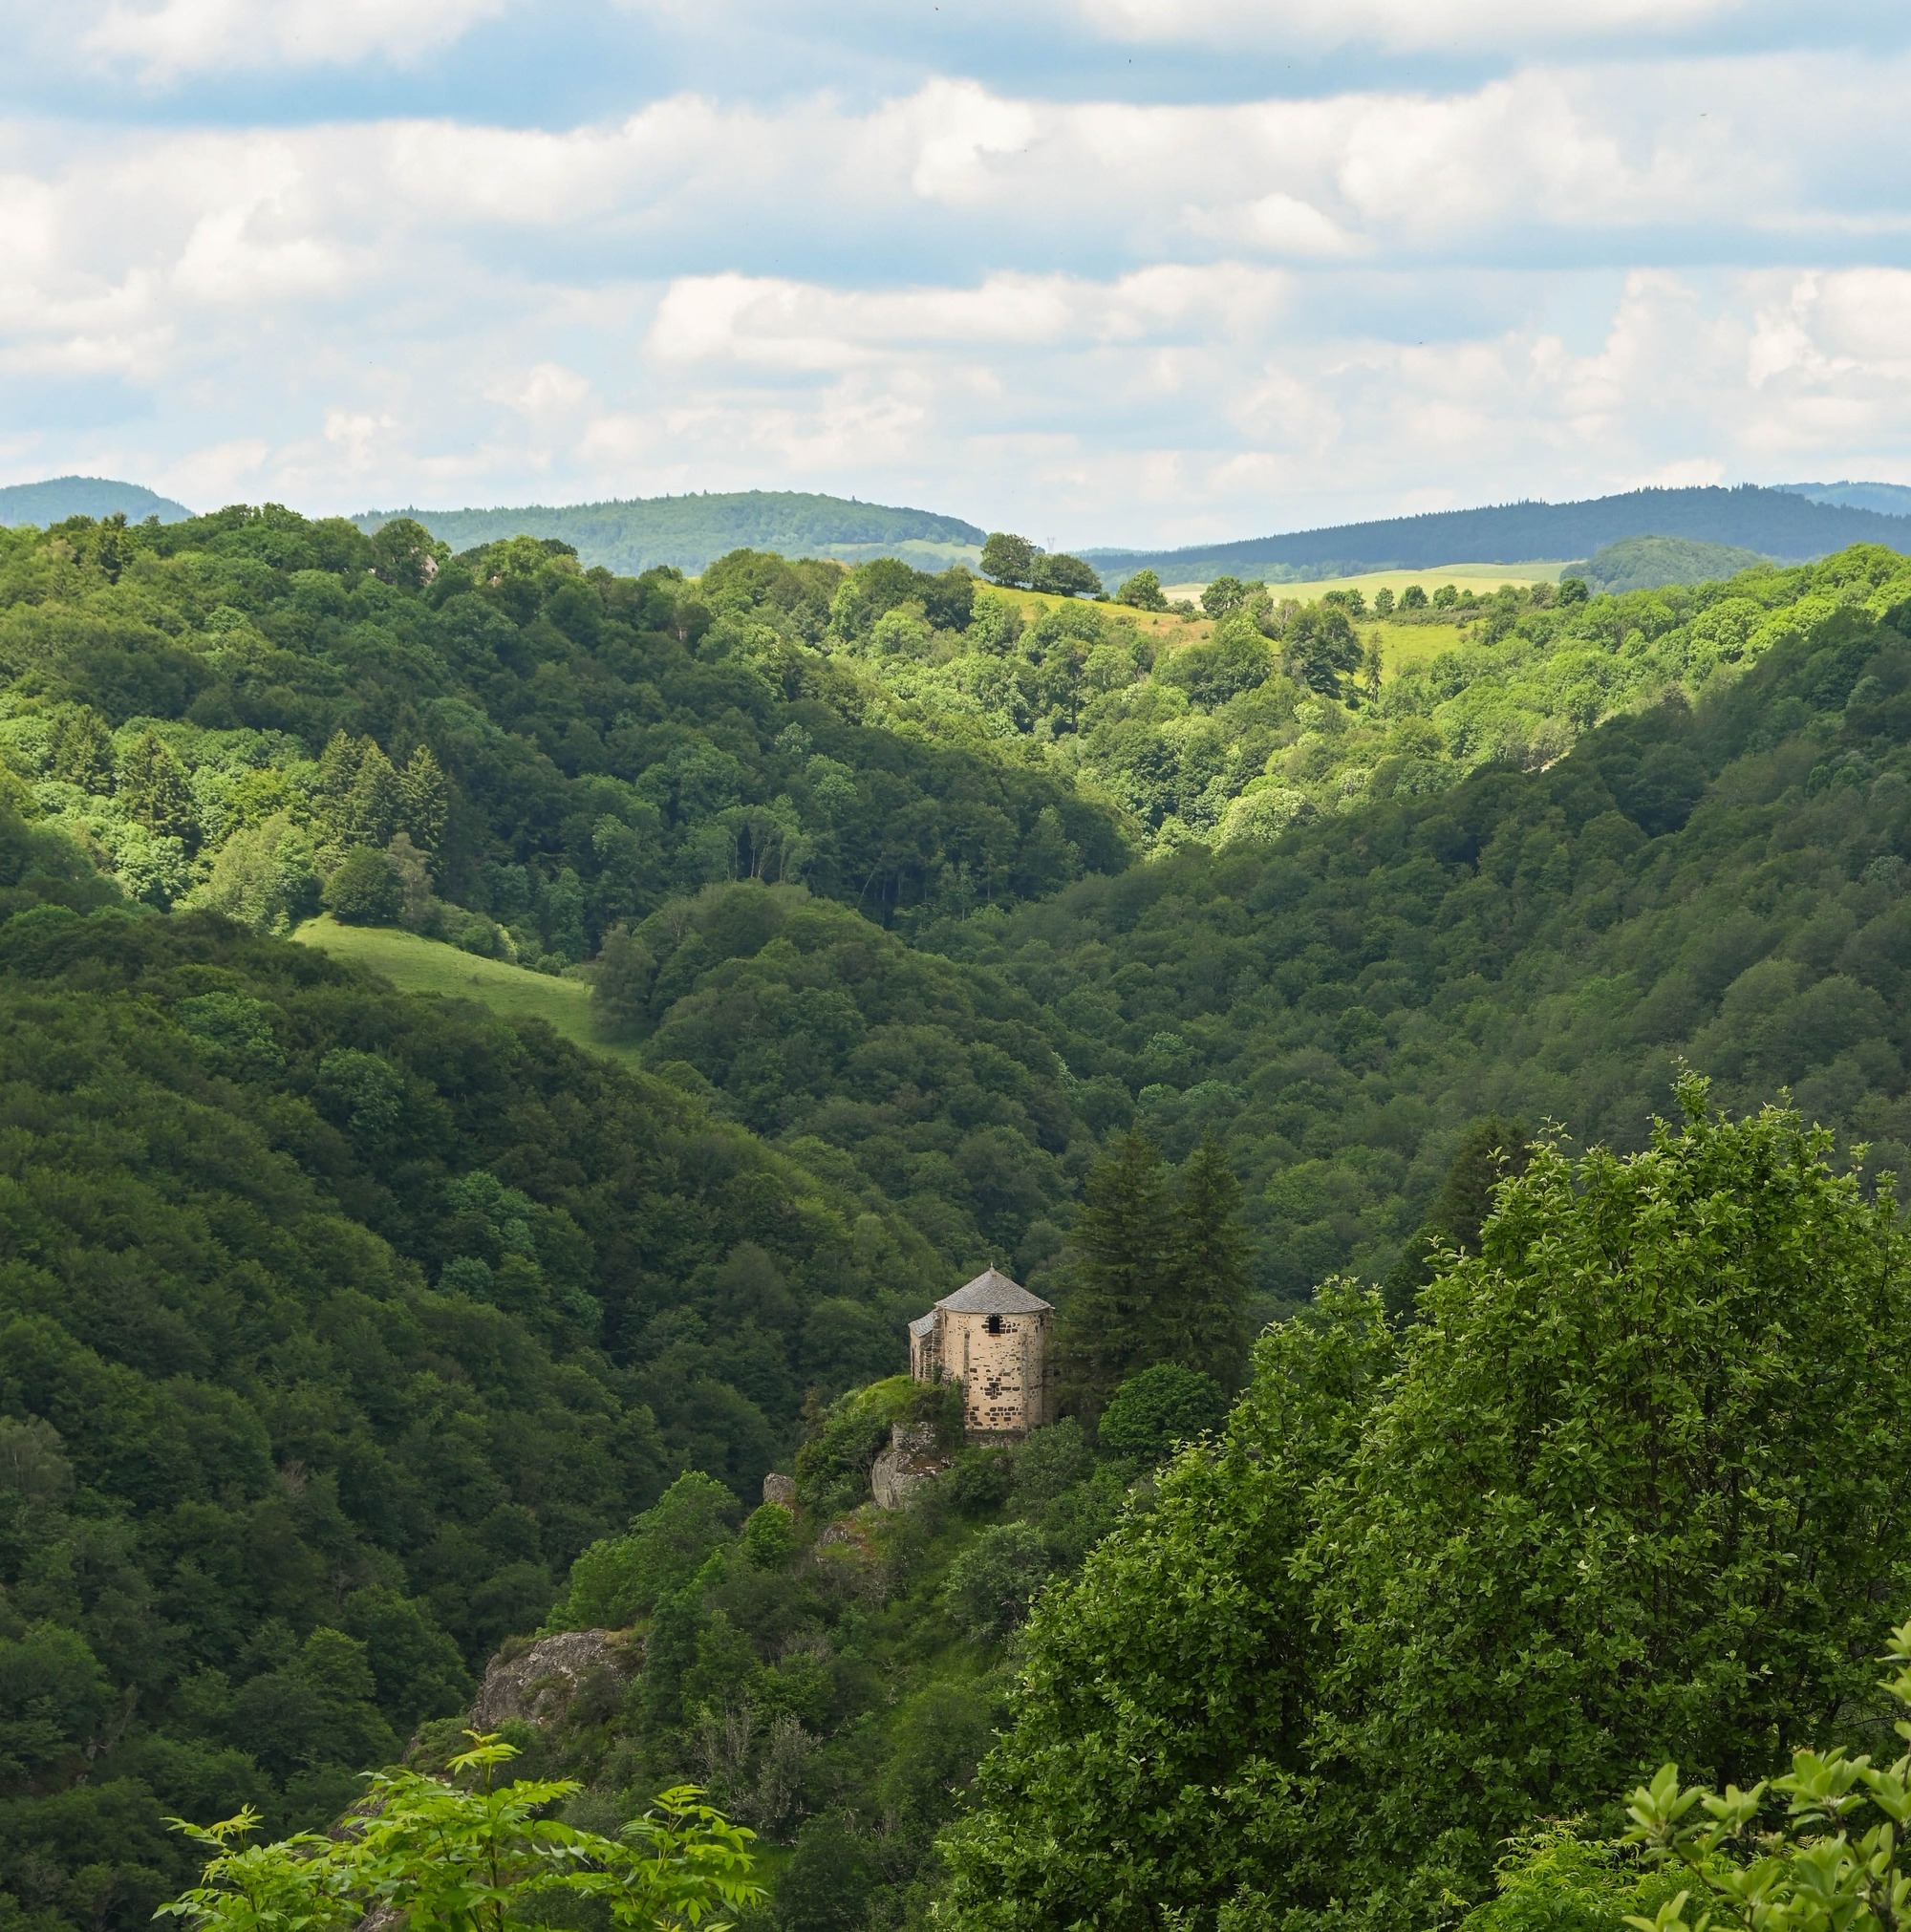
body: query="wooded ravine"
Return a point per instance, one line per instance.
(1201, 976)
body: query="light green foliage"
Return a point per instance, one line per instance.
(616, 1581)
(1630, 1489)
(472, 1857)
(1161, 1700)
(1835, 1862)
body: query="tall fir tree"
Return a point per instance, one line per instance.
(1125, 1248)
(154, 789)
(424, 799)
(1204, 1319)
(372, 811)
(1494, 1149)
(83, 750)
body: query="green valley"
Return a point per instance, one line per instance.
(496, 1054)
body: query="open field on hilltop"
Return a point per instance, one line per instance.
(417, 965)
(1479, 578)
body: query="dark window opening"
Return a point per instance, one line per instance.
(994, 1324)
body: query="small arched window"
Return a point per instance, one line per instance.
(994, 1324)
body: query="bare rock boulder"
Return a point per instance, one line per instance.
(539, 1685)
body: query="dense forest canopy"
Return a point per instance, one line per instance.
(347, 1335)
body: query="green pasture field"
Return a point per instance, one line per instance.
(419, 965)
(1479, 578)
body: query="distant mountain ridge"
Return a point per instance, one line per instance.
(1893, 500)
(1777, 522)
(60, 497)
(632, 535)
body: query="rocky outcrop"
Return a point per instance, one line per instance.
(780, 1490)
(538, 1685)
(905, 1465)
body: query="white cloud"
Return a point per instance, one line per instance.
(1400, 24)
(1106, 319)
(175, 37)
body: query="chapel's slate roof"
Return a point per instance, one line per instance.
(993, 1292)
(923, 1324)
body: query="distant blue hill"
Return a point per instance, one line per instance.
(692, 532)
(1892, 500)
(61, 497)
(1777, 522)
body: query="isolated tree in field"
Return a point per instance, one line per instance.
(1414, 598)
(1322, 646)
(1065, 576)
(1142, 592)
(1008, 559)
(1222, 595)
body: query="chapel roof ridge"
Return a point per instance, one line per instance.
(993, 1292)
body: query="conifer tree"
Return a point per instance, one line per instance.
(83, 750)
(1205, 1320)
(422, 800)
(371, 811)
(153, 788)
(1124, 1246)
(337, 768)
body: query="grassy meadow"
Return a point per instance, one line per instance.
(418, 965)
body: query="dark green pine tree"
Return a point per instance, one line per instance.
(153, 788)
(1493, 1149)
(1205, 1320)
(1124, 1243)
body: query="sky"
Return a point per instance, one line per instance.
(1102, 271)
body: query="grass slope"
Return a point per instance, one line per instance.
(418, 965)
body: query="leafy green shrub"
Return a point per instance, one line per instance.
(445, 1855)
(1836, 1861)
(769, 1536)
(366, 889)
(1161, 1406)
(832, 1467)
(995, 1581)
(617, 1579)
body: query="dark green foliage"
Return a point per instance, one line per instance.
(1152, 1412)
(366, 889)
(1158, 1274)
(1060, 574)
(566, 748)
(1633, 1493)
(1142, 591)
(687, 532)
(268, 1496)
(1493, 1149)
(1646, 562)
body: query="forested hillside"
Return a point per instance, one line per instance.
(339, 1325)
(689, 533)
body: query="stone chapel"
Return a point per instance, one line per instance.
(993, 1338)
